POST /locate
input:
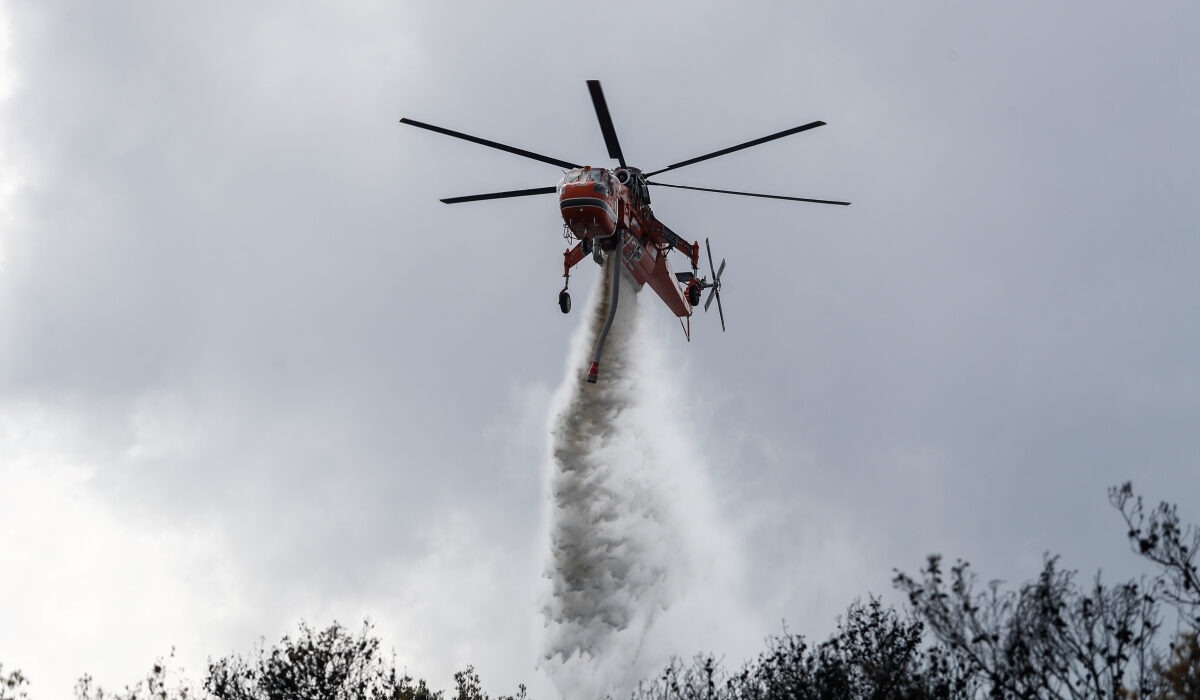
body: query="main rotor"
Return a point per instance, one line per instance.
(614, 151)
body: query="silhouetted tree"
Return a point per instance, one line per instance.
(1160, 538)
(330, 664)
(1047, 639)
(468, 687)
(154, 686)
(873, 655)
(12, 684)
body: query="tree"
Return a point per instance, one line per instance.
(874, 654)
(155, 686)
(1180, 680)
(11, 684)
(1159, 537)
(1048, 639)
(1172, 548)
(330, 664)
(468, 687)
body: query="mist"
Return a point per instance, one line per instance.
(640, 564)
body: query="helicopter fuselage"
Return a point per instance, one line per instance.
(597, 203)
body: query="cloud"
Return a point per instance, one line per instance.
(89, 582)
(228, 285)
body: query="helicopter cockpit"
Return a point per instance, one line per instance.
(602, 179)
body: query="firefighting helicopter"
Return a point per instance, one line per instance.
(608, 210)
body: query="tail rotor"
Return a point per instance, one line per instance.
(715, 284)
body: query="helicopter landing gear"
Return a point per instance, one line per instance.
(564, 301)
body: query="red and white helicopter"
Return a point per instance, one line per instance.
(609, 210)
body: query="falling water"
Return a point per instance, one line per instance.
(633, 531)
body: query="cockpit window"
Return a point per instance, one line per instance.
(597, 175)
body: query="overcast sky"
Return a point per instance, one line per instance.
(252, 371)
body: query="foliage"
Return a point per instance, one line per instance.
(154, 686)
(330, 664)
(11, 685)
(873, 654)
(1180, 680)
(1048, 639)
(1161, 539)
(468, 687)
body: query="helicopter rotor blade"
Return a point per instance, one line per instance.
(606, 124)
(500, 195)
(751, 194)
(491, 144)
(740, 146)
(720, 270)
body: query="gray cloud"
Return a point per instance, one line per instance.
(228, 287)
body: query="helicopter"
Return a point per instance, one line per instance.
(607, 211)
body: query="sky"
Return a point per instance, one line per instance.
(253, 372)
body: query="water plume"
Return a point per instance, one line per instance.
(633, 532)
